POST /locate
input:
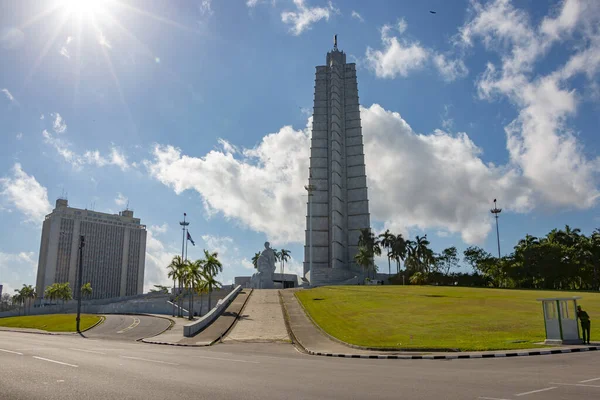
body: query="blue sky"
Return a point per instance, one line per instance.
(203, 107)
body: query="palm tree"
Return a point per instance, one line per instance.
(212, 267)
(284, 255)
(387, 242)
(18, 300)
(255, 259)
(208, 284)
(363, 258)
(64, 292)
(368, 241)
(176, 271)
(86, 290)
(399, 250)
(193, 276)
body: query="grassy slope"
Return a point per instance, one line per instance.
(51, 322)
(436, 317)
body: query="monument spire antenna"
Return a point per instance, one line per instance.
(335, 42)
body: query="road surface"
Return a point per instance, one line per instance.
(71, 367)
(128, 327)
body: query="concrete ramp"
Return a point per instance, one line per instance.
(261, 319)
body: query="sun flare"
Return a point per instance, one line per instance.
(85, 7)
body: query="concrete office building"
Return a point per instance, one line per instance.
(340, 206)
(113, 256)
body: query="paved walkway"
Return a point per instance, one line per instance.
(261, 320)
(210, 334)
(315, 342)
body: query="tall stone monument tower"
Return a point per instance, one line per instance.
(338, 205)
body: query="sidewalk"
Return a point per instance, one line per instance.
(313, 341)
(210, 334)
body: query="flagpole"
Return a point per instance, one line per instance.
(186, 243)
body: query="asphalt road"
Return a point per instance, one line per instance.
(128, 327)
(71, 367)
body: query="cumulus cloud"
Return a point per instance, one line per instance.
(158, 256)
(450, 69)
(205, 7)
(24, 193)
(540, 140)
(399, 57)
(304, 16)
(121, 200)
(265, 184)
(19, 135)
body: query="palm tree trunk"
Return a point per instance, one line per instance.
(389, 267)
(191, 305)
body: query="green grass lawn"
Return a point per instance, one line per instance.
(429, 317)
(51, 322)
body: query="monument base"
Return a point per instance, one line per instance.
(322, 276)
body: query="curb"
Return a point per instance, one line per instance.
(457, 356)
(286, 318)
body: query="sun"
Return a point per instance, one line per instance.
(85, 7)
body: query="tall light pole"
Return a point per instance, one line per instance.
(79, 279)
(497, 211)
(310, 188)
(183, 228)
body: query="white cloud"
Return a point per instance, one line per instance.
(19, 135)
(59, 125)
(540, 141)
(11, 38)
(23, 192)
(17, 269)
(121, 200)
(103, 41)
(64, 52)
(158, 256)
(8, 95)
(450, 69)
(357, 16)
(399, 57)
(266, 184)
(254, 3)
(205, 7)
(160, 229)
(305, 16)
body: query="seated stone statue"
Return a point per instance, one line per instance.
(263, 279)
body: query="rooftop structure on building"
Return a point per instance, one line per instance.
(113, 255)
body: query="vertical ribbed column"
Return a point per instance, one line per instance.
(337, 195)
(357, 199)
(318, 177)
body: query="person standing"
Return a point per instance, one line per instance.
(584, 319)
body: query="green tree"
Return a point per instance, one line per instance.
(399, 250)
(208, 284)
(177, 271)
(160, 289)
(212, 267)
(86, 290)
(447, 260)
(370, 243)
(284, 256)
(18, 299)
(193, 277)
(364, 259)
(255, 259)
(387, 242)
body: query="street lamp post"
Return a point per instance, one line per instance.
(184, 225)
(79, 279)
(497, 211)
(310, 188)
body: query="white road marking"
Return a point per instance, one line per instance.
(228, 359)
(490, 398)
(145, 359)
(574, 384)
(56, 362)
(87, 351)
(536, 391)
(136, 322)
(590, 380)
(60, 380)
(12, 352)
